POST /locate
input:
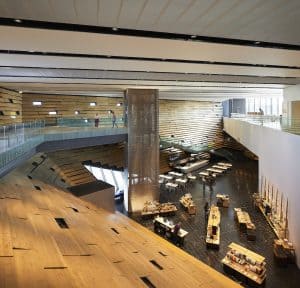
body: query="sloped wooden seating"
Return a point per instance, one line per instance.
(49, 238)
(68, 164)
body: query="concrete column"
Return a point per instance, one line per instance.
(142, 149)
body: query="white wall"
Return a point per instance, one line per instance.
(279, 162)
(291, 93)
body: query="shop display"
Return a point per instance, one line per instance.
(213, 228)
(245, 263)
(154, 208)
(188, 203)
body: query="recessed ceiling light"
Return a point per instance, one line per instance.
(194, 36)
(52, 113)
(18, 20)
(115, 28)
(20, 91)
(257, 42)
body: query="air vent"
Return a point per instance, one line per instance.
(115, 230)
(62, 223)
(154, 263)
(162, 254)
(147, 282)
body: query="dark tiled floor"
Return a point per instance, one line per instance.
(239, 183)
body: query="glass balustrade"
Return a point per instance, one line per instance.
(290, 125)
(20, 138)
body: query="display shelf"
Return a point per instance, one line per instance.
(213, 228)
(246, 263)
(188, 203)
(152, 208)
(222, 200)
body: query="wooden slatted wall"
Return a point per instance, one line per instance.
(10, 107)
(67, 105)
(195, 121)
(68, 165)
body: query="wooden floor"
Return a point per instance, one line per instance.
(98, 249)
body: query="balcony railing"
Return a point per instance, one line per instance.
(290, 125)
(18, 139)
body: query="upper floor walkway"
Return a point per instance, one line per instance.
(20, 141)
(290, 125)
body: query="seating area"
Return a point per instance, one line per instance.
(69, 163)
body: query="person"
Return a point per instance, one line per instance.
(261, 112)
(177, 228)
(206, 211)
(97, 120)
(114, 119)
(203, 183)
(210, 179)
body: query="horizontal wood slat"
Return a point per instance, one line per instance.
(11, 106)
(66, 106)
(197, 122)
(89, 253)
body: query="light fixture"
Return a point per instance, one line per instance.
(18, 20)
(119, 104)
(115, 28)
(194, 36)
(13, 116)
(77, 112)
(93, 104)
(85, 120)
(52, 112)
(20, 92)
(257, 42)
(37, 103)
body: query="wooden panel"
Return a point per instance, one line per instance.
(68, 162)
(11, 106)
(196, 122)
(116, 259)
(67, 105)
